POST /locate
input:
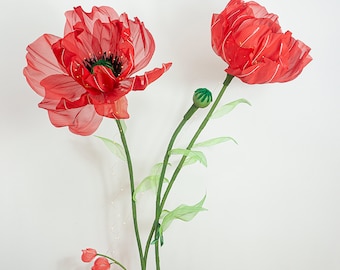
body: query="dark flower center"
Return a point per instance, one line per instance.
(109, 61)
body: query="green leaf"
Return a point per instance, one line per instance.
(214, 141)
(114, 147)
(192, 156)
(150, 182)
(227, 108)
(182, 212)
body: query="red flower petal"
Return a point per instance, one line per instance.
(116, 109)
(141, 82)
(41, 62)
(82, 121)
(103, 14)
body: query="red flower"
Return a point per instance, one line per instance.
(86, 74)
(101, 264)
(88, 254)
(250, 40)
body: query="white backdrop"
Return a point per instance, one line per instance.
(273, 199)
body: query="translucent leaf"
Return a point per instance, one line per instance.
(182, 212)
(157, 168)
(225, 109)
(192, 156)
(114, 147)
(214, 141)
(150, 182)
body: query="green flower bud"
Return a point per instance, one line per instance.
(202, 97)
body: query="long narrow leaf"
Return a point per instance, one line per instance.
(192, 156)
(182, 212)
(227, 108)
(114, 147)
(214, 141)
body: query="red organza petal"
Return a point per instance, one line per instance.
(263, 72)
(141, 82)
(62, 86)
(81, 45)
(107, 35)
(65, 104)
(103, 14)
(41, 62)
(102, 79)
(143, 42)
(116, 109)
(82, 121)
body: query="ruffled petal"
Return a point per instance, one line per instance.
(82, 121)
(141, 82)
(62, 86)
(102, 79)
(104, 14)
(143, 43)
(41, 62)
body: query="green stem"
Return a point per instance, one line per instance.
(194, 138)
(114, 261)
(132, 190)
(186, 117)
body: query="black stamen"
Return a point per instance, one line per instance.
(111, 62)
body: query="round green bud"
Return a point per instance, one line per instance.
(202, 97)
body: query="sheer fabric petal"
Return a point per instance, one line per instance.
(82, 121)
(41, 62)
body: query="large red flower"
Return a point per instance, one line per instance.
(86, 74)
(250, 40)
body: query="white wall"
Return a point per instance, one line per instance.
(273, 199)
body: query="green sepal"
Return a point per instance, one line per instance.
(158, 236)
(116, 148)
(227, 108)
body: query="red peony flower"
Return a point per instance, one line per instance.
(101, 264)
(86, 74)
(250, 40)
(88, 254)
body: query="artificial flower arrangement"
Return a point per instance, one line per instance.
(87, 74)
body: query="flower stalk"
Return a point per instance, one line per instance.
(132, 190)
(160, 201)
(194, 138)
(158, 210)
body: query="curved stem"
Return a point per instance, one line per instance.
(194, 138)
(132, 190)
(114, 261)
(186, 117)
